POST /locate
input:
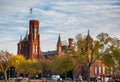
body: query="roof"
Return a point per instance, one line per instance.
(25, 38)
(59, 39)
(54, 52)
(49, 52)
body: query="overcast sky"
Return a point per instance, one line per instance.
(67, 17)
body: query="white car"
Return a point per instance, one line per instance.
(56, 77)
(22, 78)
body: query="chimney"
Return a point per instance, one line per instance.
(70, 42)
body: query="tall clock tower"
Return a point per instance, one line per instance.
(34, 42)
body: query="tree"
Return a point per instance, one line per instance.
(46, 64)
(61, 64)
(111, 49)
(5, 62)
(115, 53)
(37, 66)
(15, 61)
(27, 67)
(66, 64)
(103, 48)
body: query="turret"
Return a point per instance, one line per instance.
(88, 46)
(59, 46)
(23, 46)
(34, 42)
(20, 38)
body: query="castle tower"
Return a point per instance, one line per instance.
(59, 46)
(88, 46)
(34, 42)
(23, 46)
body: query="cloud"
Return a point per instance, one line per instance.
(66, 17)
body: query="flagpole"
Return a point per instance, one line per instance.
(31, 10)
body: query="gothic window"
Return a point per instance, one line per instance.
(35, 32)
(33, 48)
(20, 46)
(36, 48)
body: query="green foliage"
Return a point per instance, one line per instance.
(37, 66)
(105, 49)
(116, 54)
(103, 37)
(45, 64)
(108, 60)
(5, 62)
(61, 64)
(29, 67)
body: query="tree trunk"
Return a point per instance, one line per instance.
(88, 74)
(65, 76)
(5, 76)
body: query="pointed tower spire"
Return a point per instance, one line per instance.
(26, 34)
(88, 32)
(26, 37)
(88, 35)
(20, 38)
(59, 39)
(88, 38)
(59, 46)
(88, 46)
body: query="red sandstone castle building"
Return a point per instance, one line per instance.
(29, 47)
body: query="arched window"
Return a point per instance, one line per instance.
(36, 49)
(35, 33)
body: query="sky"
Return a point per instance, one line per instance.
(65, 17)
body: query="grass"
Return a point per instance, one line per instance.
(39, 81)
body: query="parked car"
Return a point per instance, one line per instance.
(56, 77)
(106, 79)
(22, 78)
